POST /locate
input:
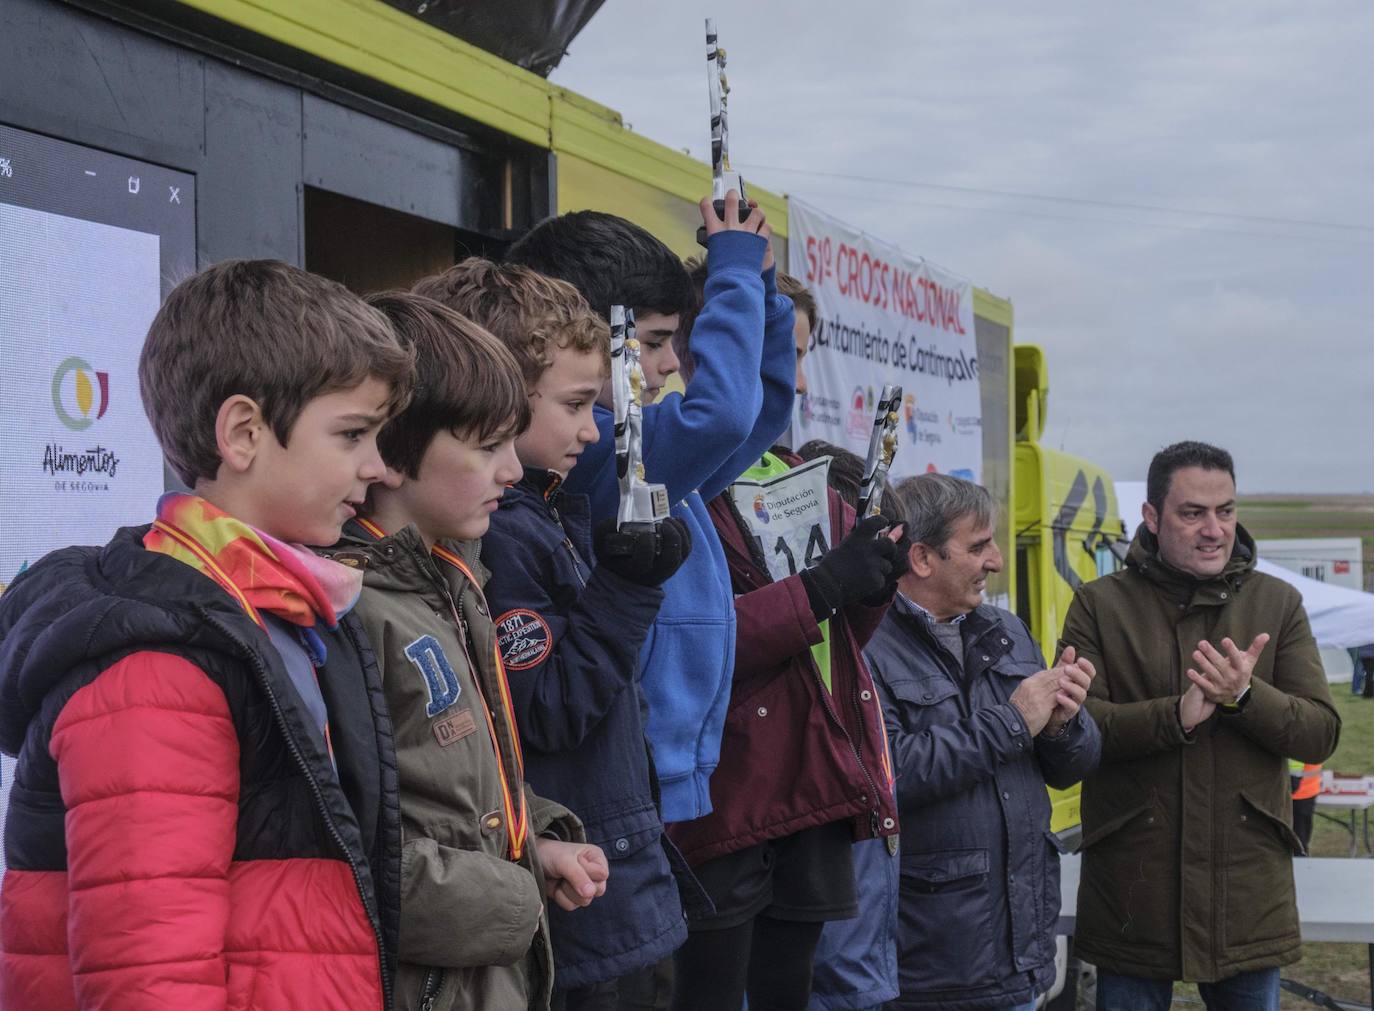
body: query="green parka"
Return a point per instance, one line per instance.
(1187, 839)
(474, 934)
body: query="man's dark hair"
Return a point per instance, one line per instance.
(682, 338)
(1176, 457)
(611, 261)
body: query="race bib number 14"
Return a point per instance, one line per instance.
(788, 516)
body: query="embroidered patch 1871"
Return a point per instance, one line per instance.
(523, 638)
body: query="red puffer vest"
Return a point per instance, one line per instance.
(178, 835)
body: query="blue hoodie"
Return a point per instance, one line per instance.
(738, 401)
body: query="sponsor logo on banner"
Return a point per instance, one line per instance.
(818, 411)
(860, 413)
(76, 387)
(884, 316)
(968, 425)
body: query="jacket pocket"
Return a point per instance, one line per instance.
(1259, 896)
(924, 701)
(1266, 817)
(625, 833)
(1119, 895)
(1111, 826)
(946, 899)
(642, 905)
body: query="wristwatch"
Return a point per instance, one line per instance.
(1059, 734)
(1237, 704)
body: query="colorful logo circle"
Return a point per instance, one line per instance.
(74, 387)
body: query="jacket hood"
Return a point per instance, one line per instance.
(81, 604)
(537, 490)
(1144, 557)
(536, 481)
(400, 562)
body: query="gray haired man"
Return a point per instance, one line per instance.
(977, 727)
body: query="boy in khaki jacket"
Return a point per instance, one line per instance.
(480, 851)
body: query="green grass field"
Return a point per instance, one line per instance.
(1340, 970)
(1267, 516)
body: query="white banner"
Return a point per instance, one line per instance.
(886, 317)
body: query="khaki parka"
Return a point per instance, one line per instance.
(474, 933)
(1187, 839)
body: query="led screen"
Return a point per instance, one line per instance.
(89, 244)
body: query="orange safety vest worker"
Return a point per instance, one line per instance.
(1309, 778)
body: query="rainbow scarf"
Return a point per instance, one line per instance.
(260, 572)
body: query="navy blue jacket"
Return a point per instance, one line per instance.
(979, 866)
(570, 636)
(855, 966)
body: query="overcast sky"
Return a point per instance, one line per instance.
(1029, 144)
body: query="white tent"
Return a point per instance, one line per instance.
(1340, 617)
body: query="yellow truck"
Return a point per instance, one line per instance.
(371, 146)
(1068, 529)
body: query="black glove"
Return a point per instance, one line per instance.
(647, 557)
(859, 568)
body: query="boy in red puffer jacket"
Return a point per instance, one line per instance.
(204, 812)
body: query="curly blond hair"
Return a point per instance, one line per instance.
(530, 313)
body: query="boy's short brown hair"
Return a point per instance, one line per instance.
(266, 330)
(528, 312)
(466, 381)
(802, 299)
